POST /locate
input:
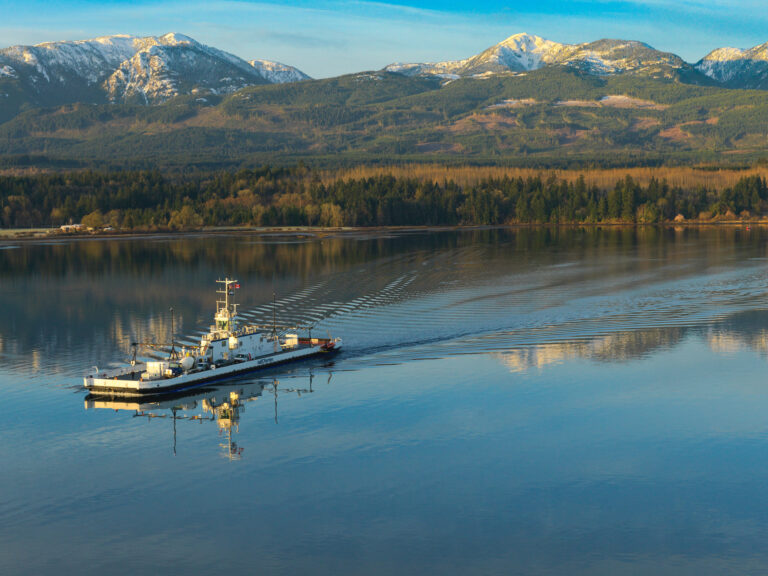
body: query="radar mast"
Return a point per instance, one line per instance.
(226, 311)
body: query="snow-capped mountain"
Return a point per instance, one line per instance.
(518, 53)
(176, 64)
(154, 69)
(129, 68)
(525, 52)
(737, 68)
(86, 60)
(277, 73)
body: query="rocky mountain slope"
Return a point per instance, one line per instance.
(126, 68)
(737, 68)
(277, 73)
(526, 52)
(525, 100)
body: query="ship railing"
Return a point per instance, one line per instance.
(122, 371)
(280, 329)
(316, 341)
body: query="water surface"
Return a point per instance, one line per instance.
(508, 401)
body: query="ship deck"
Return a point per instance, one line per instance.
(135, 375)
(130, 382)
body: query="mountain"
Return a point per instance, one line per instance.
(277, 73)
(737, 68)
(126, 68)
(526, 101)
(526, 52)
(553, 116)
(518, 53)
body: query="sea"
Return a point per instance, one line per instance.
(507, 401)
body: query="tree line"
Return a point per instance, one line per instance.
(297, 196)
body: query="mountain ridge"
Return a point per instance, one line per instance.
(525, 52)
(122, 68)
(525, 100)
(153, 69)
(737, 68)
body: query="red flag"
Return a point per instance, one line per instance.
(237, 286)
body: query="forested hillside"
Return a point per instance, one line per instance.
(553, 117)
(301, 197)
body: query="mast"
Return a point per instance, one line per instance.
(274, 316)
(173, 345)
(226, 311)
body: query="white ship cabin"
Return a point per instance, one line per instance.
(226, 342)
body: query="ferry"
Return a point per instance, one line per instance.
(226, 350)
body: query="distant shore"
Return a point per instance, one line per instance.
(55, 234)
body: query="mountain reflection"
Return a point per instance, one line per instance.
(223, 405)
(619, 347)
(739, 331)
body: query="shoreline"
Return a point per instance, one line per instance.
(54, 235)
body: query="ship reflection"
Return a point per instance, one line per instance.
(223, 404)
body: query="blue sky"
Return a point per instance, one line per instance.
(331, 37)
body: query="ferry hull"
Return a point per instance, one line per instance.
(120, 387)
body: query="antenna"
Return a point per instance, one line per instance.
(173, 344)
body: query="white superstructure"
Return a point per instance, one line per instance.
(227, 349)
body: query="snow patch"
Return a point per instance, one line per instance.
(176, 39)
(277, 73)
(733, 64)
(527, 52)
(368, 77)
(154, 68)
(725, 54)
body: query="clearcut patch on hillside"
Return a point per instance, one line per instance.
(613, 101)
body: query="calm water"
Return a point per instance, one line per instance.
(534, 402)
